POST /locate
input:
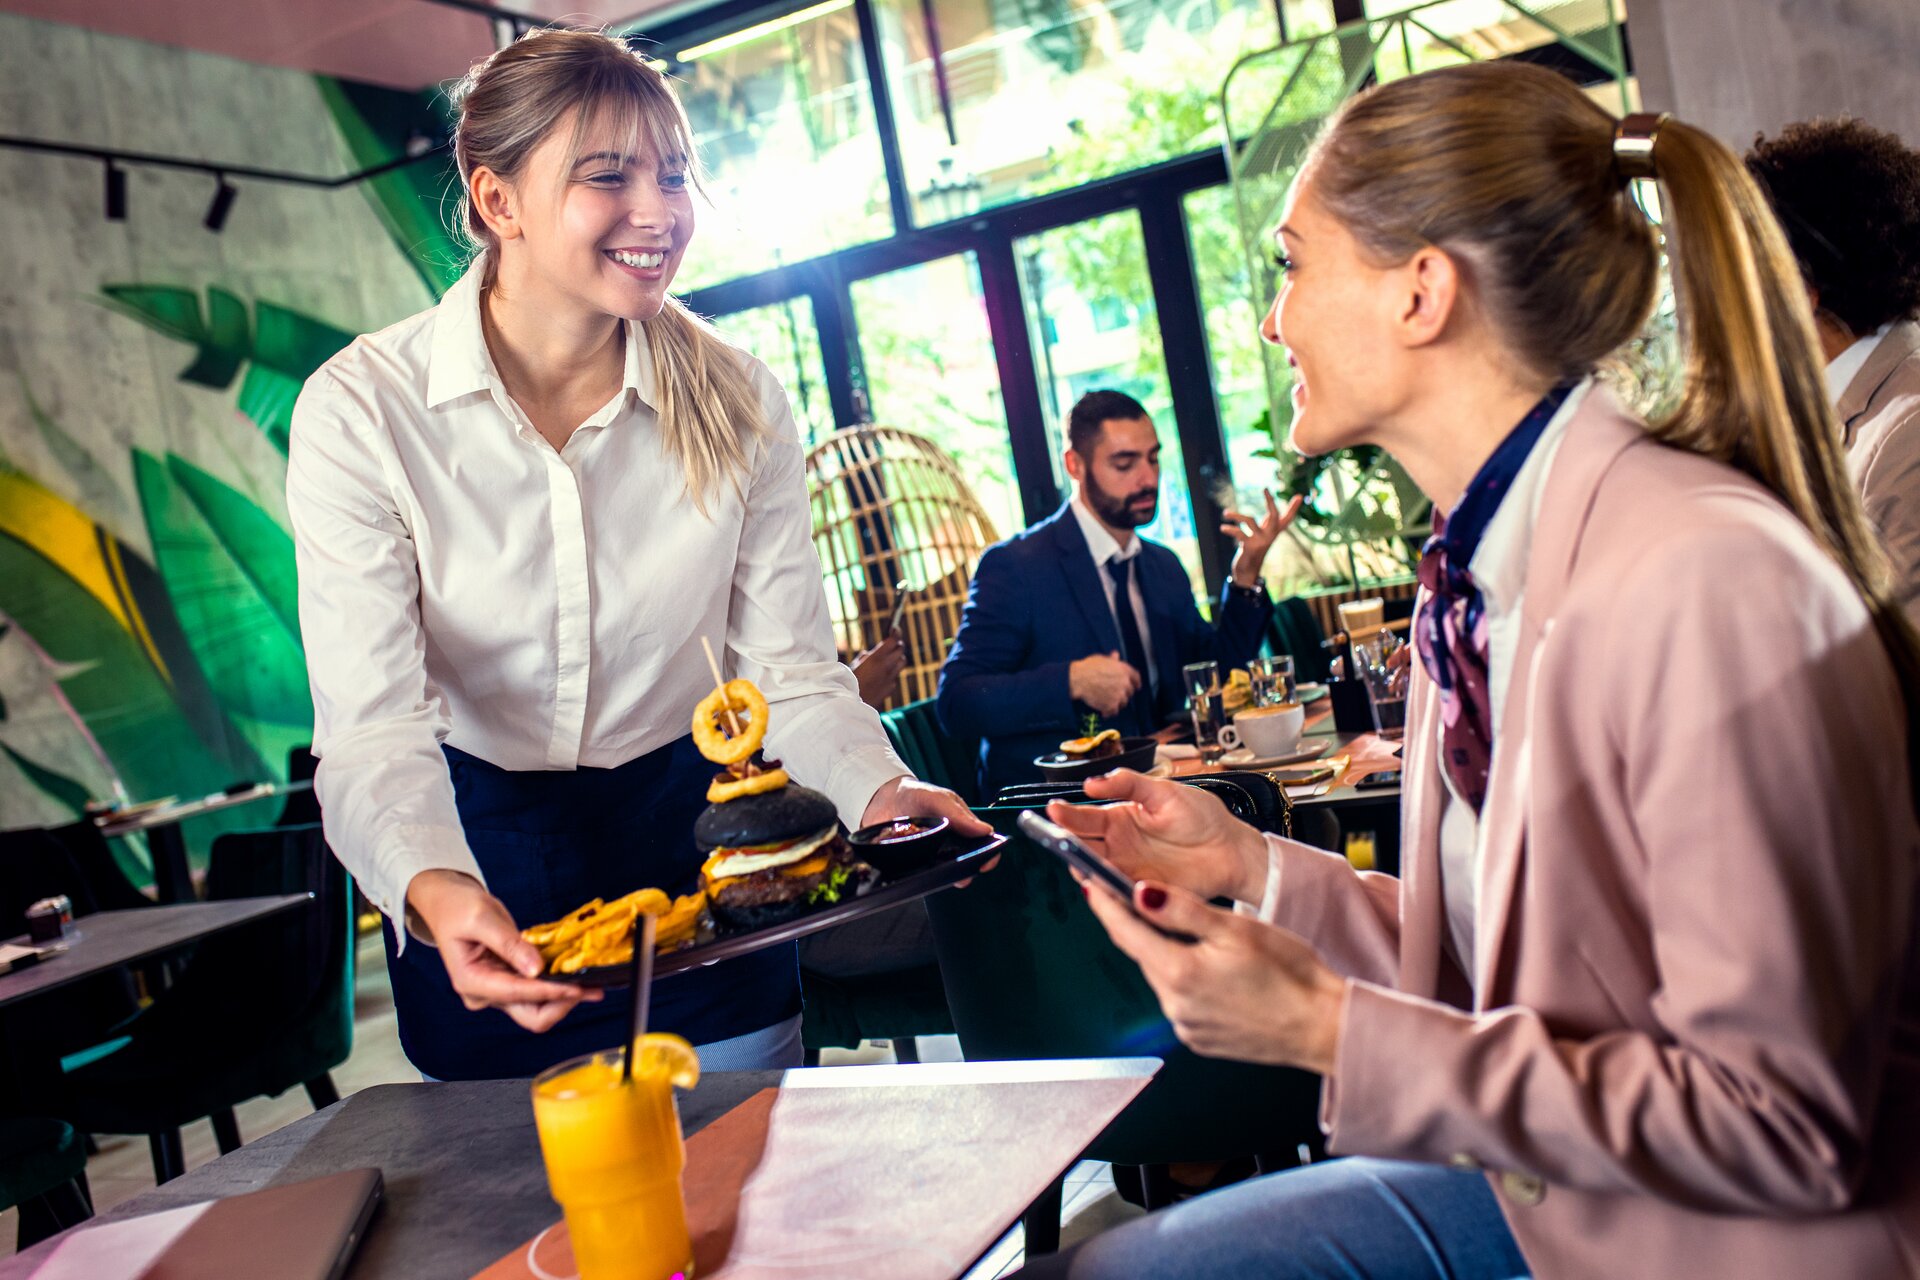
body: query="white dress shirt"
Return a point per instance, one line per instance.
(1105, 549)
(461, 580)
(1844, 366)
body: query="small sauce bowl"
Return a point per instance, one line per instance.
(901, 844)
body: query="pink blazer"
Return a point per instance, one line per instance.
(1880, 414)
(1692, 1046)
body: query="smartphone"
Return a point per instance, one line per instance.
(901, 594)
(1391, 778)
(1066, 846)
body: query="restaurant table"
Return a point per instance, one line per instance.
(172, 881)
(1360, 754)
(108, 939)
(465, 1185)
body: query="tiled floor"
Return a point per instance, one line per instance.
(123, 1168)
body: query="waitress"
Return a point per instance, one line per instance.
(516, 515)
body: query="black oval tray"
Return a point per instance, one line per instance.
(888, 893)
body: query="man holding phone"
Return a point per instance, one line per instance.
(1080, 617)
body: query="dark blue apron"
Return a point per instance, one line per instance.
(548, 841)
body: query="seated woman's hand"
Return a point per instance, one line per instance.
(1245, 989)
(488, 962)
(1166, 832)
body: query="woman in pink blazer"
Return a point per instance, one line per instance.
(1644, 1002)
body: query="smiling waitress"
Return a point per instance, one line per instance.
(516, 515)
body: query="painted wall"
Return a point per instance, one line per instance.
(147, 369)
(1739, 67)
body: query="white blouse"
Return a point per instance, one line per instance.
(462, 581)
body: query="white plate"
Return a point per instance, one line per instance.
(1310, 691)
(1245, 759)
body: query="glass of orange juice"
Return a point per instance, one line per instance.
(614, 1158)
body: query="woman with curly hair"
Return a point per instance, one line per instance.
(1848, 196)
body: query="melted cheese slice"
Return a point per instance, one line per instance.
(729, 864)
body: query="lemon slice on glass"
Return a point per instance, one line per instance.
(665, 1054)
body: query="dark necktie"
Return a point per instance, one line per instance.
(1141, 706)
(1450, 631)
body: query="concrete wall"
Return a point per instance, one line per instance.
(1739, 67)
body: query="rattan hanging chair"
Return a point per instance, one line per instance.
(890, 506)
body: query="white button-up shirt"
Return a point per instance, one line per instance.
(1105, 549)
(463, 581)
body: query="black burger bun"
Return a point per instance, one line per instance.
(787, 814)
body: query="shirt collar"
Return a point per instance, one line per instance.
(1848, 363)
(461, 365)
(1102, 544)
(1499, 565)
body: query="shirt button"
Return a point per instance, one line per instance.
(1523, 1188)
(1461, 1160)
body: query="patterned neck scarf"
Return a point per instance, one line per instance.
(1451, 630)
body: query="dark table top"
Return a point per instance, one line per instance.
(180, 810)
(452, 1204)
(109, 939)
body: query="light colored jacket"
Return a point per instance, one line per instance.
(1880, 414)
(1691, 1046)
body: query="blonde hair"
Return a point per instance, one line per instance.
(1510, 168)
(509, 104)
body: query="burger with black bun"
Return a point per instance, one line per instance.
(774, 856)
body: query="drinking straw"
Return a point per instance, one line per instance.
(642, 976)
(720, 685)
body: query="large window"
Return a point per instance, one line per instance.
(997, 100)
(784, 121)
(1094, 325)
(785, 337)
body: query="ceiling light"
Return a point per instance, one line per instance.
(755, 32)
(116, 193)
(222, 205)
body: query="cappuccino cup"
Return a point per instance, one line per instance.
(1268, 731)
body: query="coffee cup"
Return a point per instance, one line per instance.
(1270, 731)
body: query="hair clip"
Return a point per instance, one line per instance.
(1633, 141)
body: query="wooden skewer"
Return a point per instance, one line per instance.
(720, 685)
(1363, 633)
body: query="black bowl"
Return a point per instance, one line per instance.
(1135, 753)
(901, 844)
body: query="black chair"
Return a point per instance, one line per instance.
(43, 1169)
(1294, 630)
(256, 1011)
(1031, 974)
(301, 807)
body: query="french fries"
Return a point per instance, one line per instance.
(601, 933)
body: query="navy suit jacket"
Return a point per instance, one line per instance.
(1036, 607)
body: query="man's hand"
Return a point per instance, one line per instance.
(488, 962)
(908, 797)
(877, 670)
(1169, 833)
(1104, 681)
(1256, 537)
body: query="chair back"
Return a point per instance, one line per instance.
(932, 754)
(1295, 629)
(297, 971)
(1031, 974)
(301, 807)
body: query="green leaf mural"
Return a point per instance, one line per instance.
(412, 201)
(60, 787)
(99, 610)
(279, 348)
(229, 573)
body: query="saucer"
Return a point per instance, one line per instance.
(1245, 759)
(1309, 691)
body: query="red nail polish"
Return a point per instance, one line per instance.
(1085, 892)
(1153, 897)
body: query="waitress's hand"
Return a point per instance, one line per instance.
(908, 797)
(488, 962)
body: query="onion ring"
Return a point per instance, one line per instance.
(709, 721)
(725, 788)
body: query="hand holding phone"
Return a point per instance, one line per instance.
(1068, 847)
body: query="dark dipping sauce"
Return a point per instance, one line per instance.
(898, 830)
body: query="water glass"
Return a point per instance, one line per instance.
(1206, 703)
(1386, 684)
(1272, 680)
